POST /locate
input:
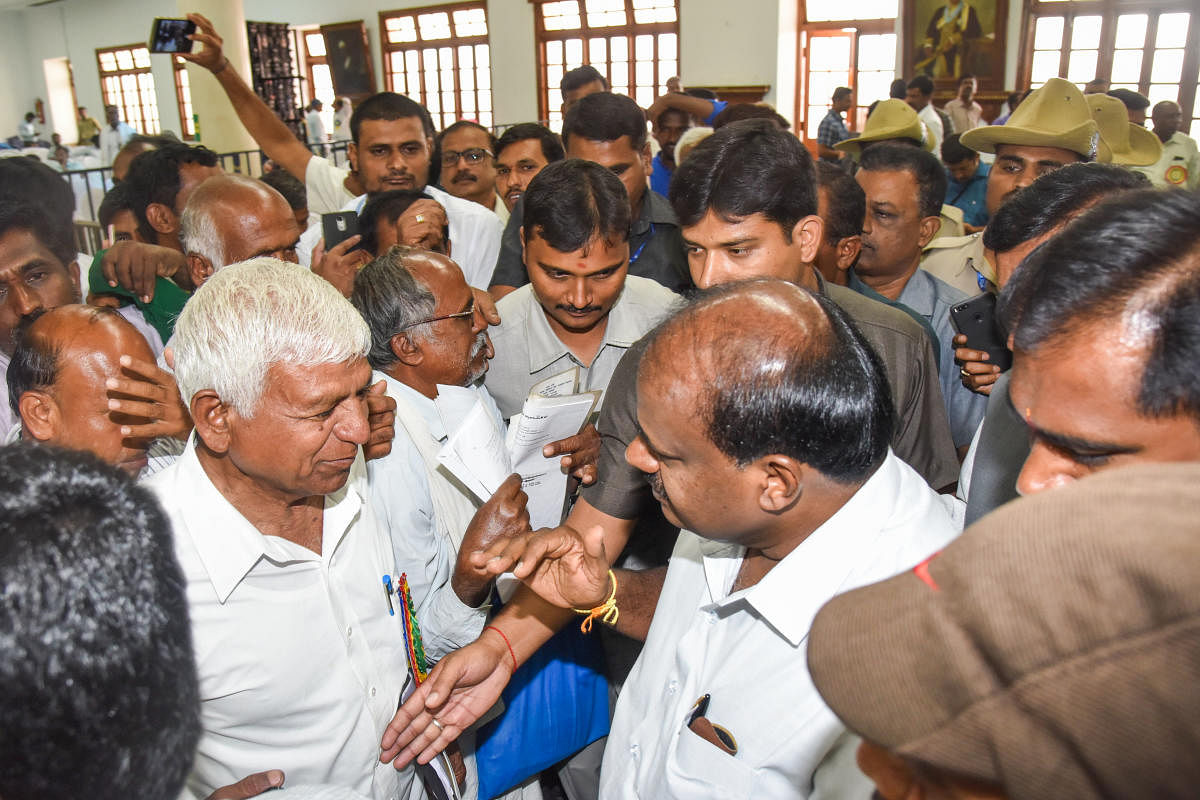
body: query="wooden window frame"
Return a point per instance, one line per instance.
(862, 27)
(135, 71)
(179, 66)
(453, 43)
(1109, 10)
(629, 31)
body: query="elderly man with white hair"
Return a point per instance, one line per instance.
(300, 634)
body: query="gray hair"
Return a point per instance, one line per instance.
(390, 297)
(199, 225)
(257, 313)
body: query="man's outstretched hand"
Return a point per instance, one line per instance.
(565, 568)
(459, 690)
(210, 56)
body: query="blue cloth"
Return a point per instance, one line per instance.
(971, 196)
(718, 107)
(660, 177)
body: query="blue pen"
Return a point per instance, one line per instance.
(387, 589)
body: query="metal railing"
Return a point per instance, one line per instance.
(90, 185)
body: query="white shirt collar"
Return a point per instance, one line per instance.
(229, 545)
(789, 596)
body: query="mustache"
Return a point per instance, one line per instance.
(479, 346)
(574, 310)
(464, 177)
(656, 486)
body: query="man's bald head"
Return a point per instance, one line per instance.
(232, 218)
(57, 381)
(803, 382)
(1167, 117)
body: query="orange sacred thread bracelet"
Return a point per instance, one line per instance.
(606, 611)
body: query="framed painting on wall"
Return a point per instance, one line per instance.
(349, 59)
(946, 39)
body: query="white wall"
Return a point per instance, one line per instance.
(729, 43)
(21, 85)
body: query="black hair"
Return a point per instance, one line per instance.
(841, 91)
(897, 89)
(115, 201)
(1053, 199)
(746, 168)
(34, 364)
(467, 123)
(606, 117)
(552, 149)
(742, 111)
(703, 94)
(953, 150)
(825, 401)
(53, 233)
(1134, 101)
(570, 203)
(846, 202)
(579, 77)
(923, 84)
(1118, 258)
(389, 106)
(387, 206)
(28, 181)
(926, 170)
(288, 185)
(153, 177)
(100, 687)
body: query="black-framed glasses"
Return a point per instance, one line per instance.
(468, 314)
(472, 156)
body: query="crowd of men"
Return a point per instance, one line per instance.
(236, 555)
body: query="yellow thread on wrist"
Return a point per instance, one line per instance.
(606, 611)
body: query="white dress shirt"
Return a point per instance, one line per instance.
(527, 349)
(402, 499)
(474, 231)
(933, 122)
(301, 666)
(748, 651)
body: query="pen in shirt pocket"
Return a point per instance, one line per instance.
(707, 730)
(387, 591)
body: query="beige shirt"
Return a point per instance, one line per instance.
(527, 350)
(959, 261)
(1179, 166)
(965, 117)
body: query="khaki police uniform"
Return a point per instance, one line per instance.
(959, 261)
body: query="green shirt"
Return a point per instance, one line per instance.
(161, 312)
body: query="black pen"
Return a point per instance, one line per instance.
(699, 709)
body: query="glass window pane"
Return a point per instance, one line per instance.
(1127, 66)
(644, 73)
(648, 11)
(483, 79)
(483, 56)
(401, 29)
(124, 59)
(554, 52)
(1045, 66)
(108, 62)
(466, 57)
(396, 67)
(574, 53)
(141, 58)
(597, 50)
(1167, 67)
(829, 52)
(470, 22)
(561, 16)
(1163, 91)
(644, 95)
(668, 46)
(1172, 30)
(1048, 33)
(1131, 31)
(315, 43)
(873, 86)
(605, 13)
(434, 26)
(618, 48)
(825, 10)
(1082, 67)
(643, 48)
(877, 52)
(1085, 33)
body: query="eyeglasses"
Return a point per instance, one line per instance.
(468, 314)
(472, 156)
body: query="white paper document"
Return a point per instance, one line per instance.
(481, 456)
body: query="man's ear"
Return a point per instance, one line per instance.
(161, 218)
(647, 158)
(929, 229)
(408, 351)
(847, 252)
(199, 269)
(352, 156)
(893, 777)
(41, 418)
(211, 416)
(782, 482)
(808, 232)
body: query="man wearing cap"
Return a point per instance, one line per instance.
(1052, 127)
(996, 669)
(1135, 104)
(1128, 140)
(1179, 165)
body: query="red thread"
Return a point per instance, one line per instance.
(922, 571)
(511, 652)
